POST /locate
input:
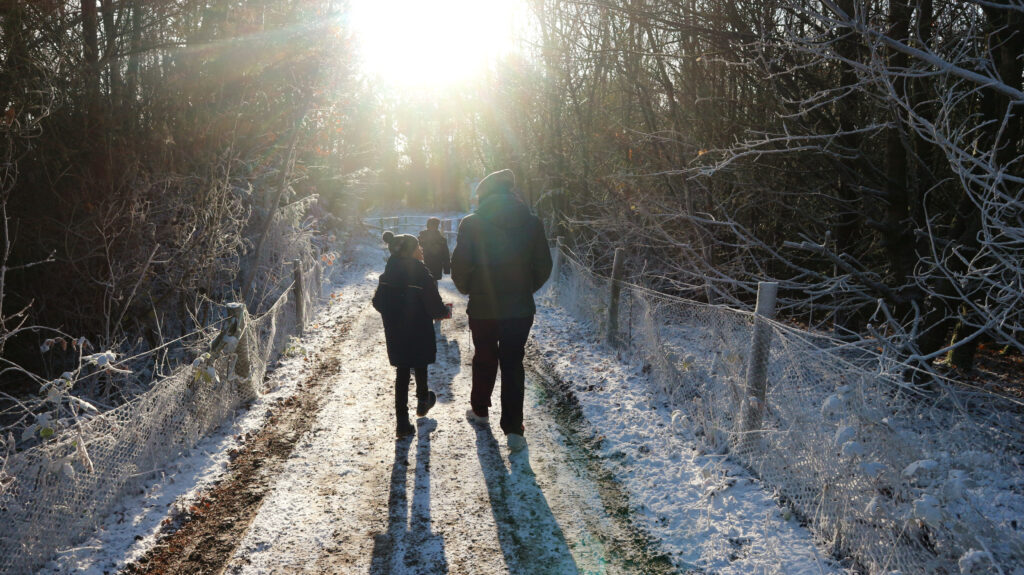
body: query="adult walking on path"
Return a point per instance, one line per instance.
(501, 259)
(321, 489)
(435, 249)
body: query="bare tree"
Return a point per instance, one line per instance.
(866, 155)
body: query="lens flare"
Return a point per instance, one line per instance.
(435, 44)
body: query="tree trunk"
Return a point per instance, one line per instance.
(12, 16)
(940, 314)
(134, 47)
(110, 55)
(91, 53)
(962, 356)
(897, 231)
(847, 216)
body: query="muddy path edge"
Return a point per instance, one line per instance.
(638, 548)
(203, 538)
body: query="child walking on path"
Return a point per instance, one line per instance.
(407, 299)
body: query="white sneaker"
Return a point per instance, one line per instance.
(516, 442)
(474, 418)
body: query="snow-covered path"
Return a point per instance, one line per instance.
(610, 483)
(451, 499)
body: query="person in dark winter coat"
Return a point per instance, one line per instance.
(407, 299)
(435, 249)
(501, 258)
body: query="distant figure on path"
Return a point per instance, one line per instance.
(435, 249)
(501, 258)
(407, 300)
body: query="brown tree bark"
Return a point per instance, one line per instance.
(897, 230)
(110, 55)
(134, 49)
(91, 52)
(848, 215)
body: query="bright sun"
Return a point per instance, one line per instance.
(432, 43)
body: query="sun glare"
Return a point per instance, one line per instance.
(432, 43)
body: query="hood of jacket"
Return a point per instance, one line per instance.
(400, 268)
(505, 211)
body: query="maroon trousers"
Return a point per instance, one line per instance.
(500, 342)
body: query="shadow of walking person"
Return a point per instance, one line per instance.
(530, 537)
(410, 545)
(449, 364)
(450, 350)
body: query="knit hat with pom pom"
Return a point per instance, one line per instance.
(400, 245)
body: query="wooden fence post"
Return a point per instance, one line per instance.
(556, 268)
(708, 291)
(613, 302)
(243, 363)
(300, 304)
(757, 362)
(237, 327)
(318, 282)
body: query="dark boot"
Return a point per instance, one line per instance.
(425, 399)
(405, 429)
(424, 404)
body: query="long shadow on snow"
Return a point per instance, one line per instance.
(448, 366)
(409, 545)
(630, 545)
(530, 537)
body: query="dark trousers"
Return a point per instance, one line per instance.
(500, 342)
(402, 390)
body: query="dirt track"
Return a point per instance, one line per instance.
(325, 488)
(209, 531)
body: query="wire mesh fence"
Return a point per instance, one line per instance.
(56, 493)
(413, 225)
(881, 473)
(898, 480)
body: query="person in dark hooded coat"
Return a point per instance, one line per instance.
(407, 299)
(501, 258)
(435, 249)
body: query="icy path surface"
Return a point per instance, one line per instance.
(608, 484)
(452, 499)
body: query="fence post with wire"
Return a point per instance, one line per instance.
(613, 297)
(300, 314)
(872, 465)
(53, 494)
(753, 404)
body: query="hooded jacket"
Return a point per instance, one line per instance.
(435, 253)
(501, 258)
(407, 300)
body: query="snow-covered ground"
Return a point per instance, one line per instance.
(622, 491)
(705, 510)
